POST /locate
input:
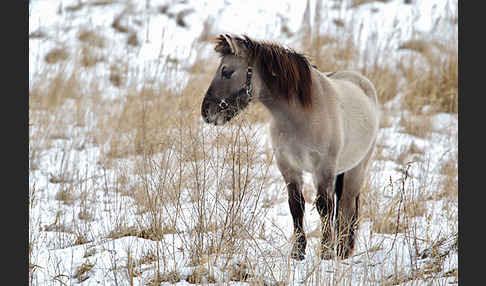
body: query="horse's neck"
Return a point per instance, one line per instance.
(290, 113)
(285, 115)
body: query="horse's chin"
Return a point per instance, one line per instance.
(220, 121)
(217, 120)
(221, 118)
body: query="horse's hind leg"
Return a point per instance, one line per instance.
(348, 207)
(347, 224)
(294, 182)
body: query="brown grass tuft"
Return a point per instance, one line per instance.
(66, 196)
(56, 55)
(81, 272)
(153, 232)
(200, 275)
(239, 272)
(74, 8)
(387, 226)
(449, 182)
(38, 34)
(385, 79)
(329, 53)
(117, 75)
(91, 38)
(180, 21)
(436, 86)
(118, 26)
(357, 3)
(132, 40)
(171, 277)
(89, 57)
(415, 208)
(416, 125)
(51, 92)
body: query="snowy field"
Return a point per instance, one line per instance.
(127, 185)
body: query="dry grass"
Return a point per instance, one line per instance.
(117, 23)
(66, 196)
(132, 40)
(51, 92)
(436, 86)
(56, 55)
(91, 38)
(416, 125)
(171, 277)
(357, 3)
(151, 122)
(385, 80)
(81, 272)
(117, 77)
(90, 57)
(39, 34)
(154, 232)
(331, 54)
(449, 183)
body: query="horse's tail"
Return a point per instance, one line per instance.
(338, 186)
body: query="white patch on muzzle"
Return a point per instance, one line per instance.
(220, 120)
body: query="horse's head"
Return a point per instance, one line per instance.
(230, 90)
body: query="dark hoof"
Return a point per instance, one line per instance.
(298, 251)
(327, 253)
(327, 256)
(343, 252)
(297, 255)
(298, 247)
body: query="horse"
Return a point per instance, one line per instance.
(325, 124)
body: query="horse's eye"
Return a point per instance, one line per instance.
(226, 74)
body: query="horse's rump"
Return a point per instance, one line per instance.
(359, 111)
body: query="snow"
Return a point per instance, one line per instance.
(55, 254)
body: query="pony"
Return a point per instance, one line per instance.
(325, 124)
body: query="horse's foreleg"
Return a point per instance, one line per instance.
(325, 204)
(293, 179)
(297, 208)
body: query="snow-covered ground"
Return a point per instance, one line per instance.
(167, 34)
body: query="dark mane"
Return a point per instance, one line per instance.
(282, 69)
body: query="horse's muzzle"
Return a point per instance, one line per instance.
(210, 109)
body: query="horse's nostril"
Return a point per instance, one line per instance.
(223, 104)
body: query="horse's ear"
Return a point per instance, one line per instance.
(223, 45)
(229, 44)
(241, 46)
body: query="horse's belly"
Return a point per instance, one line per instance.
(351, 158)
